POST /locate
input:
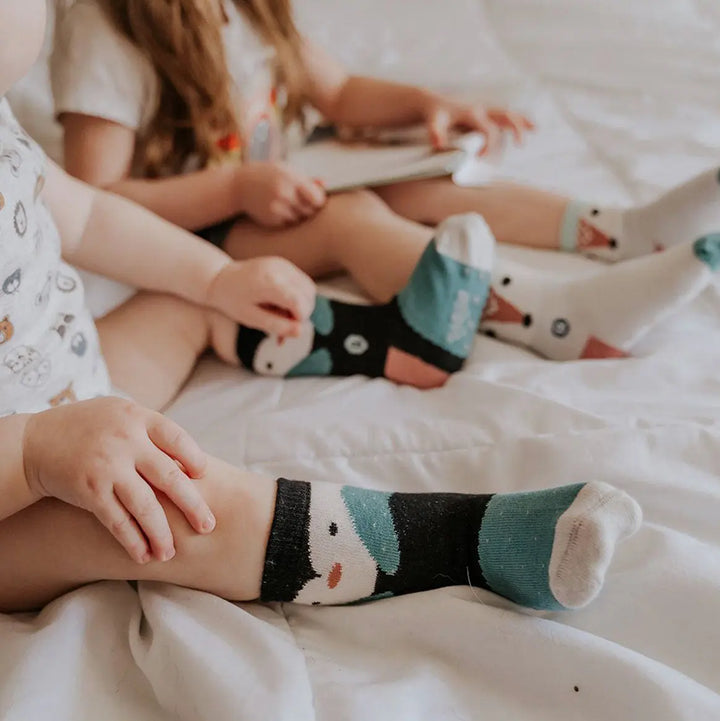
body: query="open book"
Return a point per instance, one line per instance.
(392, 157)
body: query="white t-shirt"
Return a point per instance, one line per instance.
(97, 71)
(49, 348)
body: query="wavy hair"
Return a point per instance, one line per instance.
(183, 41)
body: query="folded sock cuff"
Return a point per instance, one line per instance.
(287, 558)
(569, 225)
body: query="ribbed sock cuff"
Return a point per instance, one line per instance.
(569, 226)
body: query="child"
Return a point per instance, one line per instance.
(175, 105)
(76, 459)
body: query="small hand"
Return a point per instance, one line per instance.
(113, 457)
(266, 293)
(443, 115)
(274, 195)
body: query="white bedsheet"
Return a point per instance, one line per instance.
(626, 95)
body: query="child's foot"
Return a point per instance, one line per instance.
(600, 316)
(688, 211)
(546, 549)
(420, 338)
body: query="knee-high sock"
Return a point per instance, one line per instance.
(548, 549)
(419, 338)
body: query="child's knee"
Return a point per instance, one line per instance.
(354, 205)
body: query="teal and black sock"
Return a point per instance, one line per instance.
(419, 338)
(548, 549)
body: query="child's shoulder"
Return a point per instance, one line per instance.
(96, 70)
(84, 31)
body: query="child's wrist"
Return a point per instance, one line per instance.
(238, 187)
(24, 425)
(214, 293)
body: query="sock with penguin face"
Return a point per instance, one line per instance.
(690, 210)
(419, 338)
(549, 549)
(602, 314)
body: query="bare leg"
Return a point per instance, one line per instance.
(355, 232)
(515, 214)
(152, 342)
(52, 548)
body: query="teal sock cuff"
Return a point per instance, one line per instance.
(707, 249)
(569, 225)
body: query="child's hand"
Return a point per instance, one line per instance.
(111, 457)
(274, 195)
(443, 115)
(271, 294)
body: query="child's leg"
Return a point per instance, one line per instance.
(419, 338)
(324, 543)
(355, 232)
(51, 548)
(152, 343)
(516, 214)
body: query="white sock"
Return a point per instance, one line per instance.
(684, 213)
(585, 539)
(596, 316)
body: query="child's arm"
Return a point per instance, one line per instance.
(100, 152)
(355, 101)
(110, 235)
(15, 492)
(108, 456)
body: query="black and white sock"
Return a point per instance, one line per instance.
(547, 549)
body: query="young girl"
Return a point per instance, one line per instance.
(176, 104)
(76, 459)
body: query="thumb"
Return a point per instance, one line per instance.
(439, 127)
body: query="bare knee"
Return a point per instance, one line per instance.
(352, 207)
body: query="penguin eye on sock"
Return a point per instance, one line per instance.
(613, 243)
(560, 327)
(507, 280)
(594, 212)
(333, 529)
(269, 365)
(527, 320)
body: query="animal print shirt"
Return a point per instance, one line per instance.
(49, 348)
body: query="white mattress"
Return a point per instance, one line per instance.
(626, 98)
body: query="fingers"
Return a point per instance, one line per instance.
(439, 125)
(311, 193)
(272, 323)
(161, 472)
(516, 123)
(289, 289)
(283, 213)
(115, 517)
(177, 443)
(492, 133)
(143, 505)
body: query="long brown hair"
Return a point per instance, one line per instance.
(183, 40)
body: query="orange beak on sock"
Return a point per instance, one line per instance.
(500, 310)
(590, 237)
(596, 349)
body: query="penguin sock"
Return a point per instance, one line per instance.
(422, 336)
(601, 315)
(547, 549)
(687, 211)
